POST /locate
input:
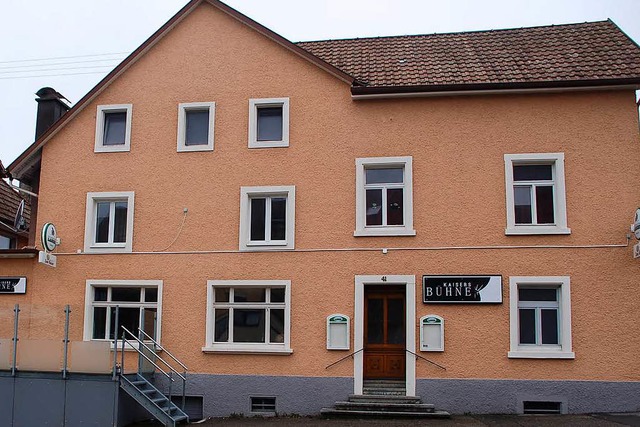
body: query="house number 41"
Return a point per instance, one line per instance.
(384, 278)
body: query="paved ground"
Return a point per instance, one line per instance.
(599, 420)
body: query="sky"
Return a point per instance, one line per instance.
(71, 45)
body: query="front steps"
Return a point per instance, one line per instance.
(383, 398)
(156, 403)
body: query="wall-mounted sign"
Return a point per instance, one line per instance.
(462, 289)
(338, 332)
(49, 237)
(47, 258)
(636, 250)
(635, 227)
(13, 285)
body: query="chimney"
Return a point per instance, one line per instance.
(50, 109)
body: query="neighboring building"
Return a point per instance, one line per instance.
(14, 218)
(248, 193)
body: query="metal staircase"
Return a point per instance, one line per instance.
(156, 403)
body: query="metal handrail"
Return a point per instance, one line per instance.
(425, 359)
(124, 340)
(341, 359)
(157, 344)
(171, 368)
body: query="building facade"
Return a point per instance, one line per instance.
(265, 209)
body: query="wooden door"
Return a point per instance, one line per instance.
(384, 334)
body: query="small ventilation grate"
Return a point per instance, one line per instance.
(541, 407)
(263, 404)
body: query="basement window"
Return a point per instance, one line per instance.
(263, 404)
(542, 407)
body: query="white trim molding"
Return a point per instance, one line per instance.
(409, 283)
(541, 351)
(362, 164)
(254, 105)
(556, 161)
(90, 245)
(211, 346)
(248, 193)
(100, 122)
(183, 109)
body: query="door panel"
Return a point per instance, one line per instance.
(384, 346)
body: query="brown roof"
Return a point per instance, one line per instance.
(9, 202)
(595, 52)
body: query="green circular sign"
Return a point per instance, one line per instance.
(49, 237)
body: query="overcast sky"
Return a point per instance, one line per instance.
(90, 37)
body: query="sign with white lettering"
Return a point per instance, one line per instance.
(47, 258)
(636, 250)
(462, 289)
(13, 285)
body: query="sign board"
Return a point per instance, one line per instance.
(636, 250)
(47, 258)
(49, 237)
(635, 227)
(13, 285)
(462, 289)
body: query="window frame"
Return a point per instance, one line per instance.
(246, 194)
(183, 108)
(230, 347)
(563, 350)
(362, 164)
(89, 305)
(254, 104)
(102, 110)
(90, 246)
(556, 160)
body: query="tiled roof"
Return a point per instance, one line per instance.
(573, 52)
(9, 202)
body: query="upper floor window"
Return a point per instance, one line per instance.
(384, 197)
(7, 242)
(113, 128)
(267, 218)
(536, 202)
(269, 123)
(196, 126)
(109, 222)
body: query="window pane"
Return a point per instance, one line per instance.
(276, 325)
(248, 325)
(522, 202)
(99, 323)
(151, 295)
(129, 318)
(249, 294)
(549, 326)
(5, 242)
(374, 207)
(222, 294)
(544, 204)
(100, 294)
(375, 316)
(222, 325)
(269, 123)
(395, 323)
(114, 128)
(532, 172)
(258, 219)
(102, 222)
(149, 326)
(125, 294)
(197, 129)
(120, 223)
(278, 218)
(537, 294)
(384, 176)
(277, 294)
(527, 326)
(395, 212)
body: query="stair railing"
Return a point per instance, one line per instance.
(425, 359)
(343, 358)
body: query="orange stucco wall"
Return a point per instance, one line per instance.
(457, 144)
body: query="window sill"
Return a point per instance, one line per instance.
(112, 148)
(192, 148)
(541, 355)
(107, 250)
(384, 232)
(247, 350)
(268, 144)
(266, 248)
(531, 230)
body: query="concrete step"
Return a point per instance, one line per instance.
(384, 399)
(331, 412)
(383, 392)
(385, 406)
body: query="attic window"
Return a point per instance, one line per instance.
(269, 123)
(113, 128)
(195, 126)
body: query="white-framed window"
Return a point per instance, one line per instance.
(109, 222)
(139, 305)
(268, 122)
(113, 128)
(540, 317)
(196, 121)
(536, 200)
(248, 316)
(384, 196)
(267, 218)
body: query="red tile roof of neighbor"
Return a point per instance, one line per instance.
(592, 51)
(9, 202)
